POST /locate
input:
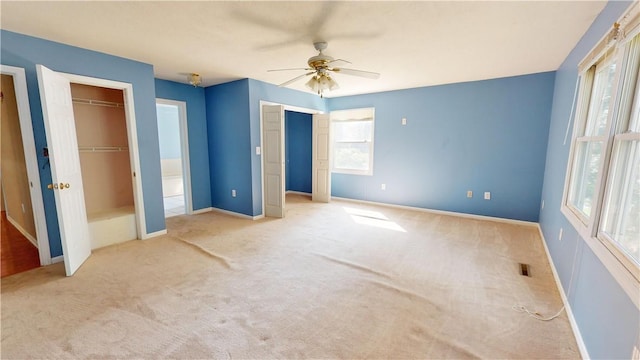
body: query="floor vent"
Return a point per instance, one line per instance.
(524, 270)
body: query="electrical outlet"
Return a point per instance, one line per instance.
(487, 195)
(469, 194)
(383, 187)
(233, 193)
(404, 121)
(560, 235)
(258, 150)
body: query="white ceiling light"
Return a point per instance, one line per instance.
(194, 79)
(320, 83)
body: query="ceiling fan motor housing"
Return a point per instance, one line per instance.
(319, 61)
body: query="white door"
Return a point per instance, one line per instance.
(59, 124)
(321, 181)
(273, 153)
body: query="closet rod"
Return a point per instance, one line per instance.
(97, 102)
(102, 148)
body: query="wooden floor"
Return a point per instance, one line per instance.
(17, 253)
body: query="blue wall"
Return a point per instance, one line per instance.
(233, 125)
(482, 136)
(230, 149)
(169, 132)
(267, 92)
(25, 52)
(608, 320)
(298, 140)
(198, 141)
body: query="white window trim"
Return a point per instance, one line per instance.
(363, 114)
(622, 273)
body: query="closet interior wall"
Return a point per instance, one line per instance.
(101, 129)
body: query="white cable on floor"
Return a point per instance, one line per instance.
(535, 315)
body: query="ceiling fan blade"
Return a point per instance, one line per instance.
(339, 60)
(354, 72)
(289, 69)
(296, 79)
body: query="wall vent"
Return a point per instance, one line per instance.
(524, 270)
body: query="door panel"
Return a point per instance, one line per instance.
(321, 182)
(273, 155)
(57, 108)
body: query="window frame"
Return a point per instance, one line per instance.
(623, 132)
(352, 115)
(617, 44)
(587, 82)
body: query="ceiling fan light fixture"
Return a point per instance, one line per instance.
(333, 85)
(313, 84)
(320, 83)
(194, 79)
(320, 66)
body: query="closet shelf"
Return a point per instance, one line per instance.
(97, 102)
(102, 148)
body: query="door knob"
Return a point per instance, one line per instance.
(52, 186)
(66, 186)
(61, 186)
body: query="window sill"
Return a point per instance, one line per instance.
(351, 172)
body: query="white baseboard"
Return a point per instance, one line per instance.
(23, 231)
(201, 211)
(154, 234)
(574, 326)
(442, 212)
(236, 214)
(57, 259)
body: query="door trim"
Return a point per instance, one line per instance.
(31, 160)
(132, 135)
(286, 108)
(184, 149)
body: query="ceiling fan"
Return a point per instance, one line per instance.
(321, 68)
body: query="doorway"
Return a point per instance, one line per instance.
(25, 244)
(102, 101)
(174, 157)
(274, 159)
(298, 130)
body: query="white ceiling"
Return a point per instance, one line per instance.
(411, 44)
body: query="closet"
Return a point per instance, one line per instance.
(101, 129)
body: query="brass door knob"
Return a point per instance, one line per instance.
(66, 186)
(52, 186)
(61, 186)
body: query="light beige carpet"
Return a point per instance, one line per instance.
(338, 280)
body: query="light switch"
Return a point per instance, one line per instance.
(487, 195)
(404, 121)
(258, 150)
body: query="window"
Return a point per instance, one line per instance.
(352, 133)
(602, 192)
(590, 137)
(620, 224)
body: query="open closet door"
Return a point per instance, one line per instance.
(273, 152)
(321, 182)
(59, 124)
